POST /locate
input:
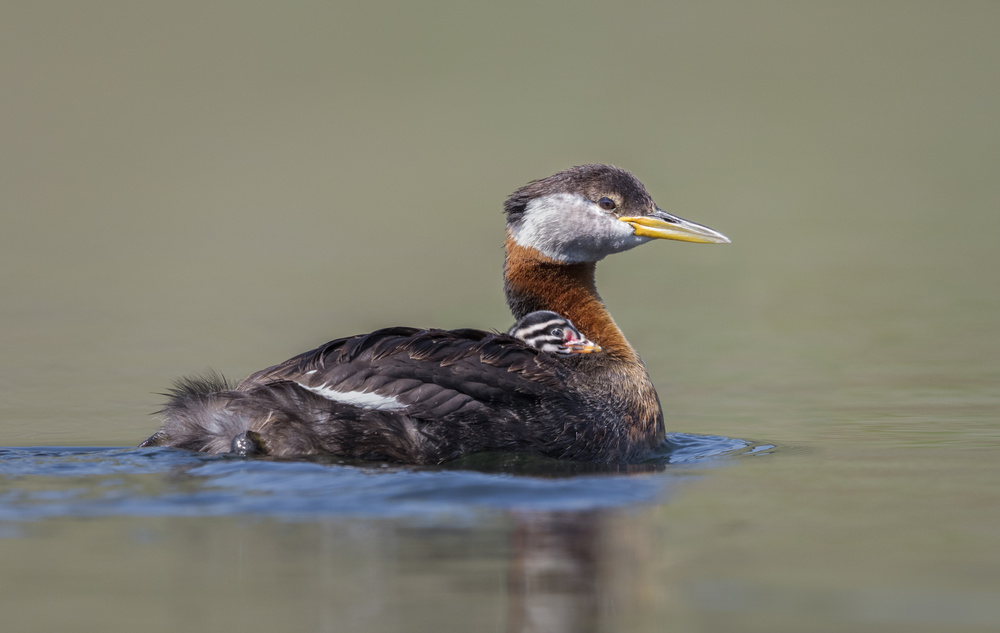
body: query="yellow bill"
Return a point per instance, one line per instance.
(664, 226)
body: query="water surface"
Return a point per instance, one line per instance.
(221, 186)
(61, 482)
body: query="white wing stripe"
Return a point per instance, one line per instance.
(365, 400)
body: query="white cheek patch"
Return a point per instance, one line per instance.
(362, 399)
(569, 228)
(554, 348)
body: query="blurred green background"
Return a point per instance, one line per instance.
(225, 184)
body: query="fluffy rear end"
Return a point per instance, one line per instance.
(202, 414)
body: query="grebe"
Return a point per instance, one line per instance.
(542, 330)
(428, 396)
(549, 332)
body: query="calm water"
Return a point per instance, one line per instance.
(223, 186)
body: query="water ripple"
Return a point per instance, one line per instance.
(48, 482)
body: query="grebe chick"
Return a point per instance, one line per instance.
(428, 396)
(549, 332)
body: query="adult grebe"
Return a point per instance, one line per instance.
(429, 396)
(543, 330)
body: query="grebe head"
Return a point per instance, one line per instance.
(549, 332)
(586, 213)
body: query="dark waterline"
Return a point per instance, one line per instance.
(51, 482)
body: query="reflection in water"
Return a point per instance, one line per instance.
(511, 542)
(594, 570)
(554, 575)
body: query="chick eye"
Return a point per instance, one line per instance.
(556, 331)
(607, 204)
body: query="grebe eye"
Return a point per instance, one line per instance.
(607, 204)
(556, 331)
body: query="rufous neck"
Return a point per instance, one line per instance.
(533, 281)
